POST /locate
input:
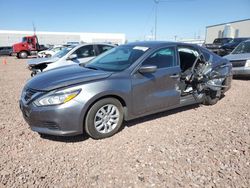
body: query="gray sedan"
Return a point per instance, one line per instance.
(124, 83)
(240, 59)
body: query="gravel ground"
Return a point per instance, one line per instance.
(196, 146)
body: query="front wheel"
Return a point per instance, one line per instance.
(33, 73)
(22, 55)
(104, 118)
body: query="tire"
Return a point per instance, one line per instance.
(33, 74)
(22, 55)
(98, 125)
(212, 97)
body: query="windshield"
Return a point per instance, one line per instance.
(56, 49)
(242, 48)
(117, 59)
(217, 41)
(237, 40)
(63, 52)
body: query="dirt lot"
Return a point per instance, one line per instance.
(197, 146)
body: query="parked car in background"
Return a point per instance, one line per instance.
(6, 50)
(125, 83)
(218, 42)
(72, 43)
(240, 59)
(229, 47)
(68, 56)
(50, 52)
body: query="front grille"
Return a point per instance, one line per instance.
(28, 94)
(238, 63)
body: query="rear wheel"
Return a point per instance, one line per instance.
(104, 118)
(22, 54)
(212, 97)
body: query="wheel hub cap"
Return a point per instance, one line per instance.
(106, 118)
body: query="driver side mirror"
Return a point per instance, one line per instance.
(72, 57)
(147, 69)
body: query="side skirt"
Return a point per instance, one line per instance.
(184, 101)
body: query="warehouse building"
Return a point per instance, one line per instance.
(234, 29)
(8, 38)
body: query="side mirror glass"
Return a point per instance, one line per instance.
(148, 69)
(72, 57)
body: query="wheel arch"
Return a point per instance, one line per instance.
(119, 98)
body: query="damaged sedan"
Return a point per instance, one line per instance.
(68, 56)
(124, 83)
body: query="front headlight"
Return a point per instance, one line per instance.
(57, 98)
(247, 63)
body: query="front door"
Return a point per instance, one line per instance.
(158, 90)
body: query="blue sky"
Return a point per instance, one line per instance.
(135, 18)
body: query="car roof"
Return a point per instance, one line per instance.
(157, 44)
(85, 44)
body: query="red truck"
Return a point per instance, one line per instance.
(28, 46)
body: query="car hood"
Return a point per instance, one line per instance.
(38, 61)
(234, 57)
(228, 45)
(44, 51)
(18, 44)
(65, 76)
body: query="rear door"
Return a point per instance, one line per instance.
(158, 90)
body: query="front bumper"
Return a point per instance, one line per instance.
(227, 83)
(241, 71)
(62, 120)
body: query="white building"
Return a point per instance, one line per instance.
(8, 38)
(192, 41)
(234, 29)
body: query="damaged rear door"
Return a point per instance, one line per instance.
(211, 75)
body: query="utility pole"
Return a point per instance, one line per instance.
(34, 28)
(156, 12)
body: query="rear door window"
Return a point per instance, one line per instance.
(187, 56)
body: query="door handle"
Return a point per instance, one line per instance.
(175, 76)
